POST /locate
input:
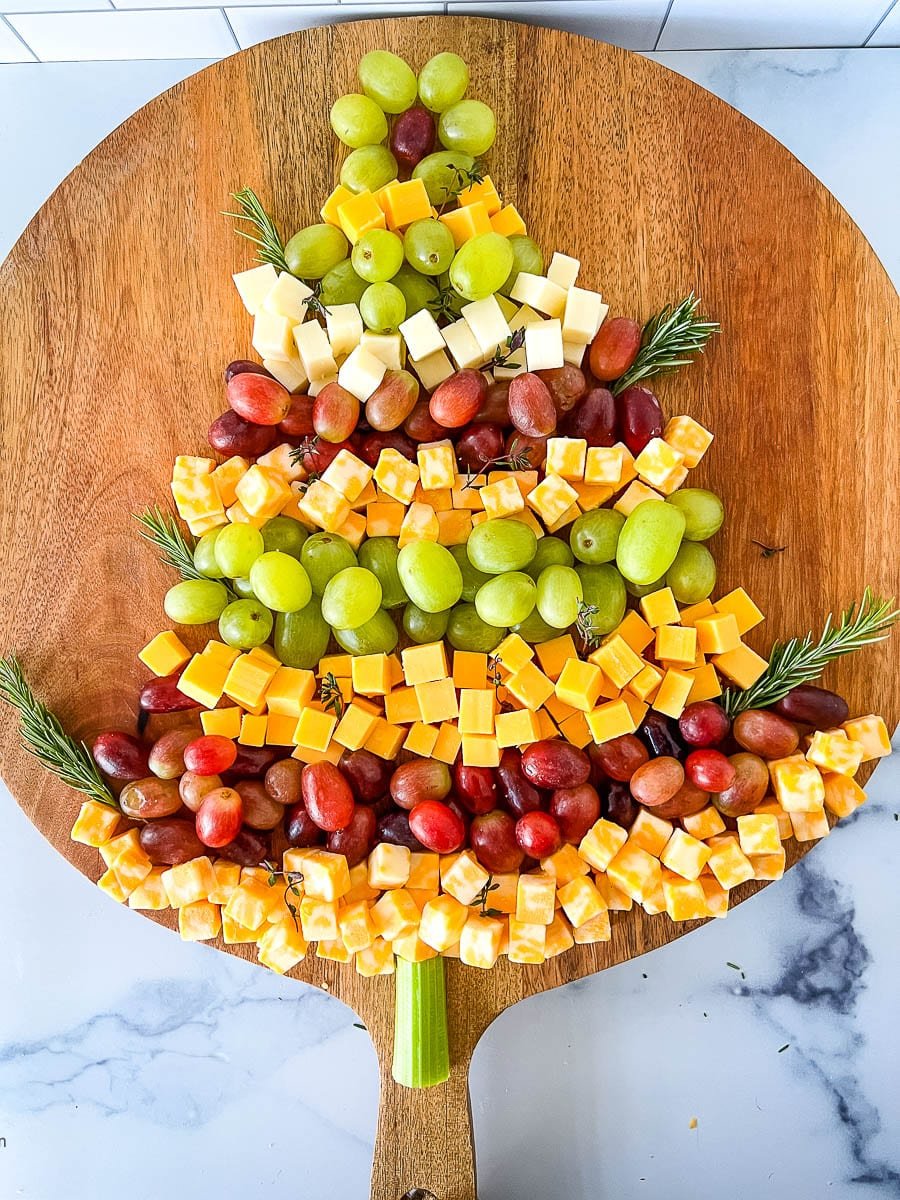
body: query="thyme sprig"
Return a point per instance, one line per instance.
(442, 306)
(266, 238)
(44, 737)
(292, 881)
(463, 178)
(481, 899)
(514, 342)
(803, 659)
(331, 695)
(670, 339)
(512, 460)
(584, 624)
(176, 548)
(314, 302)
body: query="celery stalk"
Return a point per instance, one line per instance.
(421, 1050)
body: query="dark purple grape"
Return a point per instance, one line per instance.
(657, 732)
(394, 827)
(619, 805)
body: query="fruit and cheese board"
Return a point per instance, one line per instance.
(433, 693)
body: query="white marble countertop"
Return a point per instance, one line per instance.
(134, 1065)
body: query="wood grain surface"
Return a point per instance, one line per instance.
(117, 315)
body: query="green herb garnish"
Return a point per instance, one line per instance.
(176, 549)
(670, 339)
(266, 238)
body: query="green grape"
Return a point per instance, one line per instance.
(429, 247)
(388, 80)
(467, 631)
(703, 512)
(313, 251)
(205, 555)
(526, 257)
(692, 576)
(280, 582)
(506, 599)
(649, 541)
(472, 578)
(378, 635)
(237, 548)
(550, 552)
(323, 555)
(245, 624)
(301, 637)
(603, 589)
(379, 555)
(595, 535)
(382, 307)
(534, 629)
(195, 601)
(351, 598)
(421, 626)
(500, 545)
(342, 285)
(243, 588)
(440, 172)
(481, 266)
(442, 81)
(368, 169)
(418, 291)
(284, 533)
(377, 256)
(430, 575)
(643, 589)
(559, 592)
(467, 125)
(358, 121)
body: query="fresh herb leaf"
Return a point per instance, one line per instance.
(331, 695)
(670, 339)
(44, 737)
(463, 178)
(176, 549)
(584, 624)
(786, 1046)
(292, 881)
(514, 342)
(266, 238)
(482, 898)
(443, 305)
(513, 460)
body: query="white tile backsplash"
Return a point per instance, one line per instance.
(77, 36)
(252, 25)
(11, 48)
(634, 24)
(888, 32)
(739, 24)
(42, 6)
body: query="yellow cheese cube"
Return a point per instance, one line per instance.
(552, 499)
(425, 664)
(617, 660)
(389, 866)
(704, 824)
(454, 528)
(190, 881)
(476, 710)
(636, 493)
(514, 652)
(508, 222)
(566, 457)
(610, 720)
(742, 666)
(196, 496)
(634, 631)
(248, 679)
(536, 898)
(690, 615)
(226, 722)
(359, 885)
(759, 834)
(616, 901)
(465, 878)
(95, 823)
(685, 855)
(554, 654)
(289, 690)
(385, 739)
(437, 700)
(110, 883)
(581, 901)
(466, 223)
(204, 678)
(469, 669)
(547, 725)
(442, 923)
(650, 832)
(281, 947)
(421, 739)
(318, 919)
(411, 947)
(597, 929)
(871, 733)
(739, 604)
(406, 202)
(808, 826)
(324, 506)
(676, 645)
(358, 215)
(704, 684)
(672, 694)
(657, 461)
(228, 877)
(370, 674)
(420, 524)
(718, 634)
(479, 941)
(150, 894)
(306, 754)
(263, 491)
(164, 654)
(519, 728)
(772, 808)
(575, 729)
(689, 438)
(558, 709)
(348, 475)
(238, 515)
(401, 706)
(527, 942)
(685, 899)
(234, 933)
(603, 465)
(842, 795)
(798, 784)
(480, 750)
(253, 730)
(329, 210)
(635, 872)
(355, 727)
(834, 751)
(377, 959)
(449, 740)
(729, 864)
(441, 500)
(200, 921)
(659, 608)
(570, 515)
(647, 680)
(565, 865)
(437, 464)
(502, 498)
(314, 729)
(579, 684)
(483, 192)
(530, 686)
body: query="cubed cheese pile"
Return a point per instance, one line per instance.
(420, 905)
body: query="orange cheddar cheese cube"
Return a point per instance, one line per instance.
(871, 733)
(200, 921)
(672, 694)
(253, 730)
(689, 438)
(454, 527)
(190, 881)
(420, 524)
(634, 631)
(833, 751)
(95, 823)
(480, 940)
(406, 202)
(389, 866)
(842, 795)
(645, 683)
(729, 864)
(339, 665)
(314, 729)
(377, 959)
(536, 898)
(527, 942)
(519, 728)
(384, 518)
(565, 865)
(579, 684)
(441, 499)
(421, 739)
(359, 214)
(685, 898)
(289, 690)
(808, 826)
(650, 832)
(442, 922)
(581, 901)
(690, 615)
(704, 683)
(329, 210)
(164, 654)
(204, 679)
(467, 222)
(502, 499)
(635, 872)
(370, 674)
(514, 652)
(742, 666)
(554, 654)
(798, 784)
(575, 729)
(469, 669)
(636, 493)
(676, 645)
(446, 748)
(401, 706)
(685, 855)
(354, 727)
(716, 896)
(610, 720)
(745, 612)
(718, 634)
(597, 929)
(480, 750)
(483, 192)
(508, 222)
(530, 686)
(476, 710)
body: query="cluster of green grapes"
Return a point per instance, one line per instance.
(391, 276)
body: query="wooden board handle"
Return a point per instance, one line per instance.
(424, 1139)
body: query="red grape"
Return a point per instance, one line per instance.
(298, 421)
(258, 398)
(495, 408)
(321, 454)
(299, 827)
(242, 366)
(248, 848)
(576, 809)
(252, 762)
(210, 754)
(327, 796)
(640, 417)
(555, 764)
(593, 419)
(219, 817)
(193, 788)
(687, 800)
(517, 794)
(709, 770)
(476, 788)
(456, 401)
(620, 757)
(283, 781)
(161, 695)
(147, 799)
(478, 444)
(370, 445)
(615, 348)
(531, 407)
(171, 841)
(703, 724)
(230, 434)
(538, 835)
(657, 781)
(392, 401)
(493, 838)
(335, 413)
(369, 775)
(121, 756)
(437, 827)
(412, 136)
(166, 756)
(421, 426)
(261, 811)
(809, 705)
(566, 385)
(765, 733)
(750, 784)
(534, 447)
(418, 780)
(354, 841)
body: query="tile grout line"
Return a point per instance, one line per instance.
(884, 16)
(663, 26)
(237, 44)
(18, 37)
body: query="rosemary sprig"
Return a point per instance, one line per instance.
(584, 624)
(514, 342)
(44, 737)
(482, 898)
(463, 178)
(801, 660)
(292, 881)
(266, 238)
(513, 460)
(669, 340)
(331, 695)
(161, 530)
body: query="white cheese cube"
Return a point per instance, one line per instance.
(583, 316)
(361, 373)
(254, 285)
(544, 346)
(386, 346)
(573, 352)
(421, 334)
(272, 336)
(432, 370)
(461, 343)
(287, 297)
(345, 328)
(524, 315)
(318, 384)
(290, 373)
(486, 320)
(563, 270)
(539, 293)
(314, 350)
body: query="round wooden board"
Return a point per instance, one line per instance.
(117, 315)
